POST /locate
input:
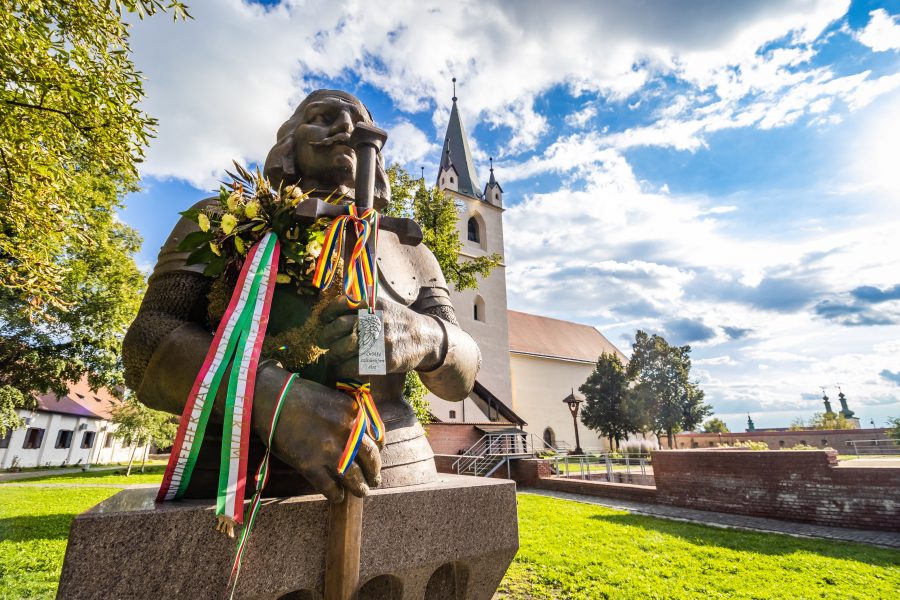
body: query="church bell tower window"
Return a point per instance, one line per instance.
(474, 231)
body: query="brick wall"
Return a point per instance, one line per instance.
(452, 438)
(820, 438)
(795, 485)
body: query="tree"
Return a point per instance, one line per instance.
(826, 420)
(138, 425)
(662, 384)
(71, 133)
(715, 425)
(437, 215)
(893, 431)
(606, 400)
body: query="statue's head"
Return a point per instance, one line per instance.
(313, 146)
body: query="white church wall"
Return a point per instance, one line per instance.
(539, 385)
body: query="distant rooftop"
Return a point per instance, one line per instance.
(80, 401)
(543, 336)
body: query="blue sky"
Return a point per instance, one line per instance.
(722, 173)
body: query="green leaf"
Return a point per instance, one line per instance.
(194, 240)
(216, 266)
(201, 255)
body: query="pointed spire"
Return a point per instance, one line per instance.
(845, 410)
(456, 144)
(492, 181)
(750, 425)
(827, 402)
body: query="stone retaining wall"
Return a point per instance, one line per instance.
(795, 485)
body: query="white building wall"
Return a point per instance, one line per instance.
(49, 454)
(539, 385)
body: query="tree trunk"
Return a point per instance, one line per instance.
(671, 439)
(130, 462)
(144, 458)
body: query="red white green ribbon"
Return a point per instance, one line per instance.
(262, 477)
(239, 335)
(360, 277)
(367, 422)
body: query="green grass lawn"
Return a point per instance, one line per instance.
(34, 525)
(574, 550)
(568, 550)
(151, 474)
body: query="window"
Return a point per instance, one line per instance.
(781, 443)
(824, 442)
(451, 179)
(442, 181)
(474, 234)
(4, 439)
(478, 309)
(452, 414)
(64, 438)
(108, 442)
(87, 440)
(496, 195)
(33, 438)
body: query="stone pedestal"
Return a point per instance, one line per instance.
(450, 539)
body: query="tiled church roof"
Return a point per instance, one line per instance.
(543, 336)
(80, 401)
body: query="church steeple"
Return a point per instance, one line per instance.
(845, 410)
(827, 402)
(493, 193)
(457, 156)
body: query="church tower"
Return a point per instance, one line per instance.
(481, 312)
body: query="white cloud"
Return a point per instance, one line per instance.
(580, 118)
(222, 83)
(882, 33)
(407, 144)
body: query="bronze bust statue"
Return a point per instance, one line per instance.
(165, 346)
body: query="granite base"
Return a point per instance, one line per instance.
(450, 539)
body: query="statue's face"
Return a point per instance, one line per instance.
(322, 139)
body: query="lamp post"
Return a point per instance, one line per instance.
(573, 400)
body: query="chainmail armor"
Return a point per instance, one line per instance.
(172, 299)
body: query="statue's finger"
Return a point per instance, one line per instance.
(343, 349)
(349, 369)
(338, 328)
(325, 484)
(369, 459)
(354, 481)
(336, 308)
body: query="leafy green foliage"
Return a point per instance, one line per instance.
(70, 98)
(138, 425)
(415, 392)
(438, 215)
(580, 551)
(606, 395)
(893, 431)
(71, 133)
(99, 294)
(826, 420)
(662, 384)
(34, 526)
(715, 425)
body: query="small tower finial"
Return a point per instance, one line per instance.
(491, 158)
(423, 173)
(454, 89)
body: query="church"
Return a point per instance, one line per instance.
(530, 363)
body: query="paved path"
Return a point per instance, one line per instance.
(50, 472)
(728, 521)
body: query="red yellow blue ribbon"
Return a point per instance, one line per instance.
(367, 422)
(360, 274)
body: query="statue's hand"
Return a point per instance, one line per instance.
(311, 434)
(411, 341)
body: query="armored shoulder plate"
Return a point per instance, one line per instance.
(170, 259)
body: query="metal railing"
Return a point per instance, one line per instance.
(494, 450)
(875, 447)
(608, 466)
